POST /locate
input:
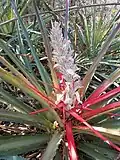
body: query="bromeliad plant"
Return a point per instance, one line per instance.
(73, 125)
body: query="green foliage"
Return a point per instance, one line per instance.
(29, 84)
(13, 145)
(12, 158)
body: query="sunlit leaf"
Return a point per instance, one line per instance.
(52, 146)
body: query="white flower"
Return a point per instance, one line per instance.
(65, 63)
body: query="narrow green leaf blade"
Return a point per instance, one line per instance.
(52, 146)
(91, 152)
(91, 71)
(115, 75)
(47, 44)
(18, 117)
(22, 68)
(13, 145)
(12, 158)
(19, 105)
(44, 75)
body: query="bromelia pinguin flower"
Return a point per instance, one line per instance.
(65, 64)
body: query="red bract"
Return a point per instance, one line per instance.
(107, 108)
(68, 100)
(70, 141)
(87, 115)
(64, 89)
(79, 118)
(62, 81)
(95, 100)
(58, 106)
(105, 84)
(47, 99)
(99, 90)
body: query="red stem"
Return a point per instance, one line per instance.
(101, 110)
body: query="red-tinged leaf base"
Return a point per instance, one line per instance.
(91, 101)
(94, 131)
(82, 118)
(107, 108)
(70, 141)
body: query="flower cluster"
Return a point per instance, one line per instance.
(65, 64)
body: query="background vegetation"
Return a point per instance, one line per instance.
(30, 124)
